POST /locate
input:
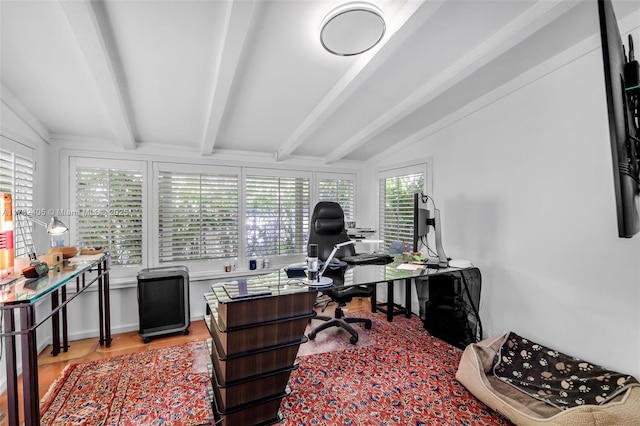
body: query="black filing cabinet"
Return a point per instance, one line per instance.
(451, 309)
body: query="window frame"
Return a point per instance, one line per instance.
(203, 269)
(14, 149)
(255, 171)
(76, 162)
(214, 265)
(320, 176)
(424, 167)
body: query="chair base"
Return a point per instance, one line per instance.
(340, 321)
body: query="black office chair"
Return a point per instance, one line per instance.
(326, 230)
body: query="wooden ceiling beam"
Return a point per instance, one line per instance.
(11, 101)
(409, 18)
(533, 19)
(89, 24)
(236, 29)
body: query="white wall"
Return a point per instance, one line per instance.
(525, 188)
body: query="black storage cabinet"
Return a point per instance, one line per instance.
(163, 301)
(451, 313)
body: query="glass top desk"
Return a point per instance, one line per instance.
(257, 324)
(278, 283)
(21, 296)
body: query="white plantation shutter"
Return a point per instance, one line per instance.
(110, 214)
(276, 214)
(197, 216)
(16, 178)
(340, 190)
(396, 207)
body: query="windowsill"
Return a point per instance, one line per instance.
(207, 275)
(196, 276)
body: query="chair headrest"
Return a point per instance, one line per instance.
(329, 218)
(328, 226)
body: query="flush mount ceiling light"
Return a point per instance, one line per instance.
(352, 29)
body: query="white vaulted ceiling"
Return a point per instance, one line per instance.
(242, 76)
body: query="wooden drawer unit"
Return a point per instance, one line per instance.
(247, 312)
(240, 367)
(253, 338)
(253, 346)
(235, 394)
(259, 413)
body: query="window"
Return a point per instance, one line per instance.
(396, 206)
(276, 213)
(109, 211)
(340, 190)
(16, 178)
(197, 216)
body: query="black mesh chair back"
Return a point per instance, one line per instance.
(327, 229)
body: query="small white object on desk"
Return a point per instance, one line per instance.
(85, 258)
(410, 266)
(460, 263)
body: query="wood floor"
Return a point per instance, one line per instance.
(50, 367)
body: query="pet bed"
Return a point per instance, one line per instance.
(533, 385)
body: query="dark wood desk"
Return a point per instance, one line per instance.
(253, 346)
(21, 296)
(254, 340)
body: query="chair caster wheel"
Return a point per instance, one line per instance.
(353, 340)
(186, 332)
(367, 325)
(311, 336)
(146, 340)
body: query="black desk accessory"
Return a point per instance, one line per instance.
(369, 259)
(296, 271)
(36, 270)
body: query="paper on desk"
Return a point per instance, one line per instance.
(410, 266)
(85, 258)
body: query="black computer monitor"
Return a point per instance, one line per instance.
(423, 219)
(420, 221)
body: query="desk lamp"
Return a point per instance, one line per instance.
(55, 227)
(322, 281)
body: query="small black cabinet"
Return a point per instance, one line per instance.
(163, 301)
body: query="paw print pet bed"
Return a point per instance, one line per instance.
(534, 385)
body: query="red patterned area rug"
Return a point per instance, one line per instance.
(166, 386)
(333, 339)
(397, 374)
(406, 377)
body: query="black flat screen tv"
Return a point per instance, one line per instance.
(623, 125)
